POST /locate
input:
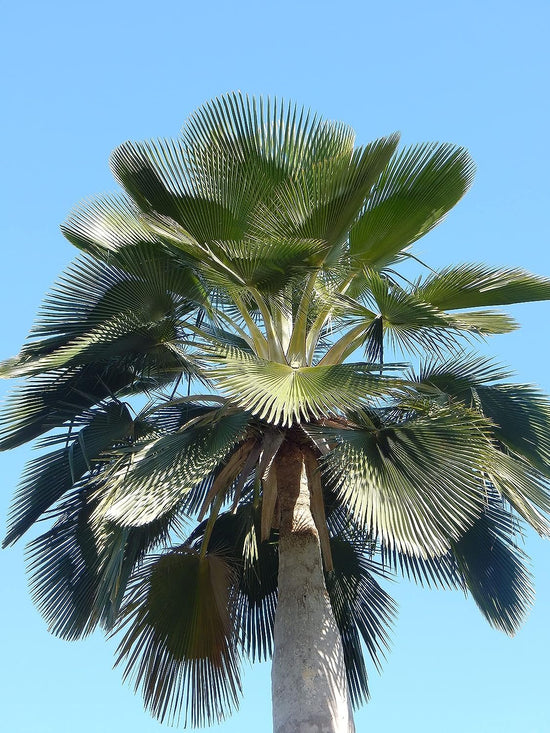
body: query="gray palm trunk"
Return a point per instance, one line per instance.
(309, 684)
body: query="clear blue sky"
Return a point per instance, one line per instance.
(80, 78)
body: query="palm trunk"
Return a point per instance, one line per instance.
(308, 678)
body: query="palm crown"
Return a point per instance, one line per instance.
(249, 259)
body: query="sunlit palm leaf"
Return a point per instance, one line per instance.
(471, 286)
(323, 203)
(281, 394)
(152, 479)
(418, 187)
(414, 484)
(485, 322)
(105, 225)
(96, 305)
(409, 322)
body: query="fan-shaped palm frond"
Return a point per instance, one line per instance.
(493, 568)
(413, 194)
(363, 611)
(152, 478)
(414, 483)
(50, 476)
(179, 645)
(471, 286)
(282, 394)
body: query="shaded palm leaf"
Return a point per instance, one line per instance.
(362, 610)
(520, 413)
(237, 535)
(180, 641)
(526, 489)
(47, 401)
(437, 571)
(50, 476)
(78, 577)
(63, 567)
(493, 568)
(264, 263)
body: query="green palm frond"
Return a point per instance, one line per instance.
(409, 322)
(48, 401)
(49, 477)
(387, 311)
(78, 576)
(415, 191)
(157, 177)
(253, 255)
(457, 375)
(258, 595)
(521, 416)
(257, 145)
(152, 478)
(63, 568)
(483, 323)
(263, 131)
(485, 562)
(322, 203)
(237, 535)
(180, 639)
(96, 310)
(437, 571)
(471, 286)
(120, 551)
(414, 484)
(280, 394)
(524, 488)
(264, 263)
(520, 413)
(493, 568)
(106, 226)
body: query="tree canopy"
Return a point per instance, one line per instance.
(211, 317)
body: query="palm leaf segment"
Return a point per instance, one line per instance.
(252, 256)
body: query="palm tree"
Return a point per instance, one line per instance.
(248, 260)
